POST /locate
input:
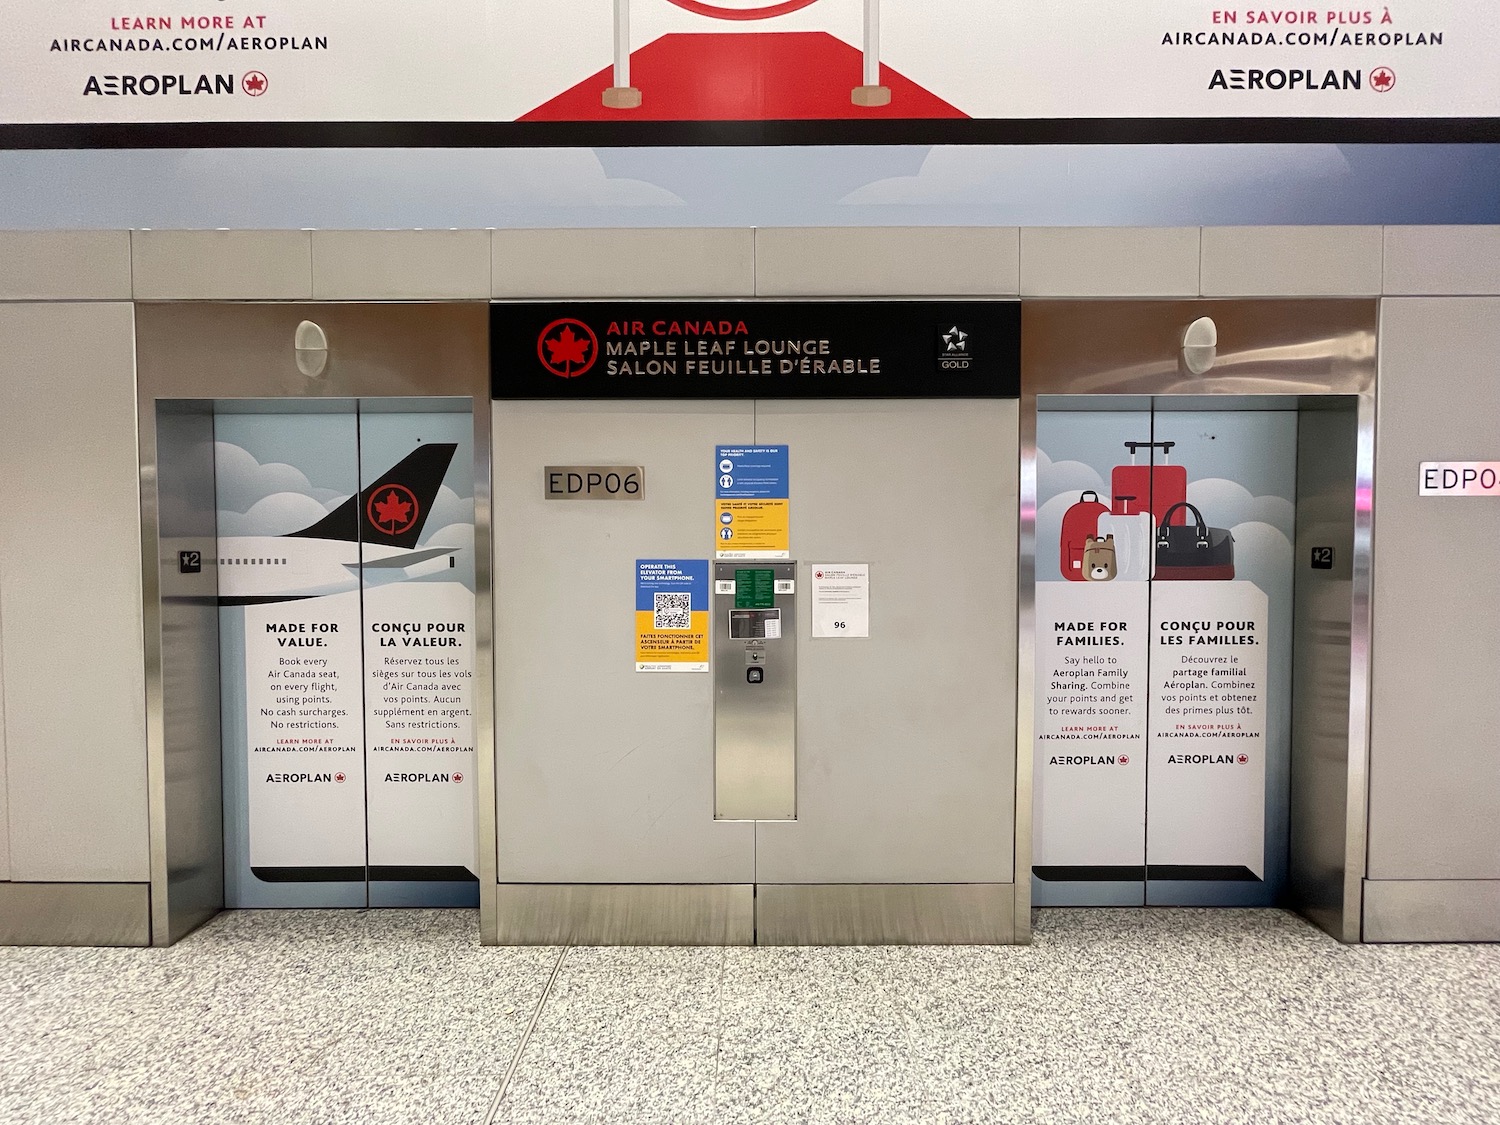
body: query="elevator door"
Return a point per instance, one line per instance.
(1163, 652)
(345, 569)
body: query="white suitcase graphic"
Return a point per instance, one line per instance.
(1135, 539)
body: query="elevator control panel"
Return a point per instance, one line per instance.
(755, 689)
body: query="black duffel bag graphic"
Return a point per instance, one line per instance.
(1193, 552)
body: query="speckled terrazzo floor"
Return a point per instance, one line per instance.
(399, 1016)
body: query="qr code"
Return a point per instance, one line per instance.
(674, 611)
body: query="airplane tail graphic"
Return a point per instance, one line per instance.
(393, 510)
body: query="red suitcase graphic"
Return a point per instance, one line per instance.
(1079, 524)
(1157, 488)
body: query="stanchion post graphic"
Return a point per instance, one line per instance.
(871, 93)
(622, 95)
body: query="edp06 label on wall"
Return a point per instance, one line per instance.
(1459, 478)
(594, 482)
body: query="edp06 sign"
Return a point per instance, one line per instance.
(1459, 478)
(594, 482)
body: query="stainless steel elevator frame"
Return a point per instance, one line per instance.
(190, 355)
(1303, 354)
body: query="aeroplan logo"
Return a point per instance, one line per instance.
(156, 85)
(1286, 80)
(372, 536)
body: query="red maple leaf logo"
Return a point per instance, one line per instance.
(1124, 759)
(339, 778)
(1383, 79)
(254, 83)
(567, 347)
(458, 777)
(391, 510)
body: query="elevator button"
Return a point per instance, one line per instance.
(754, 675)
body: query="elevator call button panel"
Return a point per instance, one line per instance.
(755, 690)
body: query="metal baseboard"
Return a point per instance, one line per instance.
(1432, 910)
(75, 914)
(885, 914)
(620, 914)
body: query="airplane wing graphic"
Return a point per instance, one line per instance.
(405, 559)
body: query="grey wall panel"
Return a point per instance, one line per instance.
(886, 261)
(191, 822)
(55, 265)
(632, 262)
(603, 774)
(905, 740)
(75, 914)
(592, 914)
(70, 594)
(875, 914)
(1432, 910)
(1434, 778)
(1322, 627)
(4, 789)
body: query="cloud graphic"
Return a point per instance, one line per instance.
(1225, 503)
(241, 481)
(448, 508)
(1262, 554)
(277, 514)
(1066, 478)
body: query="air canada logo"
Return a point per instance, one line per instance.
(393, 508)
(567, 348)
(254, 83)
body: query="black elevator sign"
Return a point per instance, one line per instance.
(755, 349)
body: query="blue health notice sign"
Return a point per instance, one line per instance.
(751, 472)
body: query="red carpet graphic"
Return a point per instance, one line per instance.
(752, 76)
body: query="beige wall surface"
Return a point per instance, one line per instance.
(70, 594)
(905, 739)
(4, 787)
(603, 774)
(1435, 751)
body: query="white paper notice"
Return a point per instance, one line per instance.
(841, 600)
(773, 628)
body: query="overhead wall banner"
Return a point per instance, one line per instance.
(600, 72)
(755, 349)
